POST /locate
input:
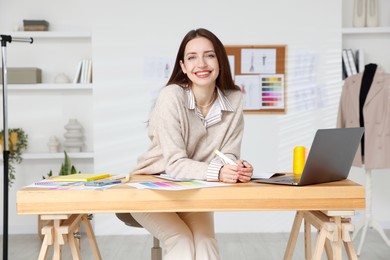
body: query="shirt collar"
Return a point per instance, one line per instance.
(223, 101)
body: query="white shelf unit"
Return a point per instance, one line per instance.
(50, 34)
(43, 109)
(366, 30)
(374, 41)
(48, 86)
(64, 50)
(54, 156)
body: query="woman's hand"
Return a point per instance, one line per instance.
(232, 173)
(246, 171)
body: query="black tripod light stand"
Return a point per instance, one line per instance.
(4, 40)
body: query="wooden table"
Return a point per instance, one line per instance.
(331, 200)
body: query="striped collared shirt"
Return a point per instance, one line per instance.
(215, 114)
(213, 117)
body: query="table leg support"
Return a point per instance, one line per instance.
(62, 229)
(350, 250)
(91, 237)
(333, 233)
(293, 236)
(307, 231)
(320, 244)
(47, 235)
(329, 249)
(58, 240)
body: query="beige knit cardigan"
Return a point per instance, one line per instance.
(181, 145)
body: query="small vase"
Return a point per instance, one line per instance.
(53, 144)
(372, 13)
(73, 136)
(359, 13)
(12, 141)
(62, 79)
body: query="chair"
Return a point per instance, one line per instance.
(128, 219)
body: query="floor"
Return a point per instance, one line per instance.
(244, 246)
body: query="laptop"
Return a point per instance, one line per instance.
(330, 158)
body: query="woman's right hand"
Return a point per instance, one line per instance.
(242, 172)
(229, 173)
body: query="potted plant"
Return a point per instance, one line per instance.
(17, 142)
(66, 168)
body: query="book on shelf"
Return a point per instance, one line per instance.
(84, 72)
(78, 73)
(346, 65)
(89, 72)
(359, 58)
(83, 69)
(352, 61)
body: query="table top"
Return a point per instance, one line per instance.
(340, 195)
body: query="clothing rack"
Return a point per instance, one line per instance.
(369, 221)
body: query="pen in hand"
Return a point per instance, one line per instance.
(225, 158)
(229, 176)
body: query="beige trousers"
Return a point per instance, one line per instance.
(183, 235)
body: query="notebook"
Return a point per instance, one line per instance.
(330, 158)
(80, 177)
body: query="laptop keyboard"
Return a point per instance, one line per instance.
(284, 179)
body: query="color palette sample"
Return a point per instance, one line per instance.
(176, 185)
(272, 91)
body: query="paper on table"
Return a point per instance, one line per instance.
(170, 185)
(48, 184)
(167, 177)
(55, 185)
(265, 175)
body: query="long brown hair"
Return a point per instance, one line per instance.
(224, 80)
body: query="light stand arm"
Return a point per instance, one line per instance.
(9, 38)
(4, 40)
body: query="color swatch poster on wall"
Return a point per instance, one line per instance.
(264, 91)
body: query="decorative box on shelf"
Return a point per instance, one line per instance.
(35, 25)
(23, 76)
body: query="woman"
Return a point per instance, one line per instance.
(198, 111)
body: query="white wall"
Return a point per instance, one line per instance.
(126, 36)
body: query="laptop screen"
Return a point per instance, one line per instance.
(331, 155)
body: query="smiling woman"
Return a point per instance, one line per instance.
(198, 111)
(201, 66)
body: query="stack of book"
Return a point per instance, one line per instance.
(35, 25)
(84, 72)
(353, 62)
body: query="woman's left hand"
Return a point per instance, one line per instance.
(245, 172)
